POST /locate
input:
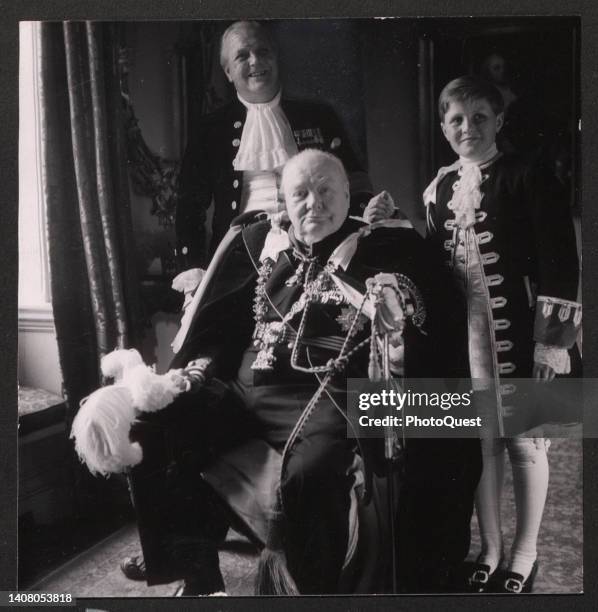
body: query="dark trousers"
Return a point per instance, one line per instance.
(315, 490)
(435, 510)
(182, 521)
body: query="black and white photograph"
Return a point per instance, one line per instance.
(221, 222)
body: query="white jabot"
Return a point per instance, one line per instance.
(467, 196)
(267, 140)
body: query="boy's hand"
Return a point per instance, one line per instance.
(543, 372)
(380, 207)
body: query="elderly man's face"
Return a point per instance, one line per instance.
(251, 64)
(317, 198)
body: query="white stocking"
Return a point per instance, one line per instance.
(530, 482)
(488, 496)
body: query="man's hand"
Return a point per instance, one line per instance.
(195, 374)
(380, 207)
(180, 379)
(543, 372)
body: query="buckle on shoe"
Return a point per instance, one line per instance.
(513, 585)
(480, 576)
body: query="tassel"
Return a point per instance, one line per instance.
(273, 577)
(374, 369)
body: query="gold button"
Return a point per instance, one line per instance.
(236, 142)
(235, 183)
(233, 205)
(237, 124)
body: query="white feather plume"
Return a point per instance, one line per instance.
(101, 427)
(101, 431)
(116, 363)
(150, 391)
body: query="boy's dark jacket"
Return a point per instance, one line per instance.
(527, 244)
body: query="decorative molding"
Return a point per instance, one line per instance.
(36, 319)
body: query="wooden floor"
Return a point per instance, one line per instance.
(96, 573)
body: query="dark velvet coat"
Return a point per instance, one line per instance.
(440, 475)
(207, 171)
(526, 241)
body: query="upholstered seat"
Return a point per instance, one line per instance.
(43, 455)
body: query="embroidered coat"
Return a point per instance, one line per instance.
(400, 250)
(440, 475)
(207, 171)
(525, 242)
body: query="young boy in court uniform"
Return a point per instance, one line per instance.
(506, 233)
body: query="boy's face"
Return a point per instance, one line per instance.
(471, 127)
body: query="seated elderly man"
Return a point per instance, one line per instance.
(277, 332)
(235, 156)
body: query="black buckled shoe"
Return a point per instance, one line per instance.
(134, 568)
(479, 578)
(512, 582)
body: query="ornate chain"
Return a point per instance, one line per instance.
(332, 365)
(267, 335)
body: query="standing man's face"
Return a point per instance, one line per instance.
(251, 64)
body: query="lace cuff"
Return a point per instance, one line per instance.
(555, 357)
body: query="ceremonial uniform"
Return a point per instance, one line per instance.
(517, 265)
(266, 325)
(208, 174)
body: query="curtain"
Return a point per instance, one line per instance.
(93, 280)
(94, 284)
